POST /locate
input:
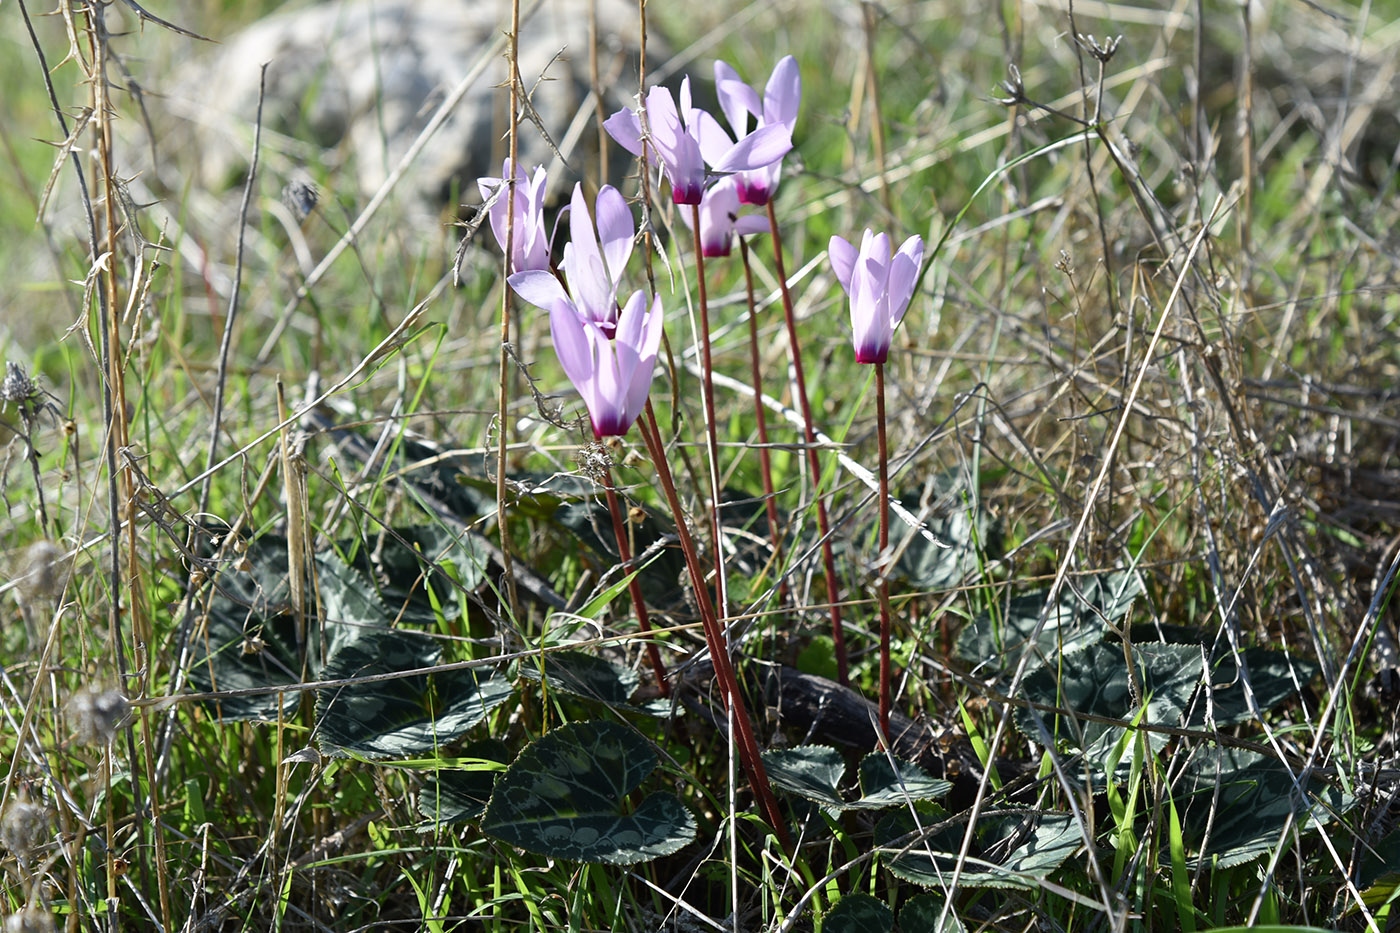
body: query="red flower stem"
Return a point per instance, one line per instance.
(809, 433)
(624, 550)
(884, 583)
(711, 434)
(765, 459)
(715, 638)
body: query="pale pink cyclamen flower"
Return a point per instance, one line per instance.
(720, 218)
(685, 140)
(781, 98)
(530, 243)
(613, 376)
(592, 272)
(879, 286)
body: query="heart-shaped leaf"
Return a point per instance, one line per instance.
(408, 560)
(1013, 851)
(1080, 618)
(1244, 800)
(811, 771)
(251, 635)
(460, 796)
(886, 784)
(859, 913)
(1096, 681)
(566, 796)
(584, 675)
(815, 771)
(924, 913)
(403, 716)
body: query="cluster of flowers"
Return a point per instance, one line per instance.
(608, 349)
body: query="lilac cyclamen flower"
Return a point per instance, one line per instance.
(686, 139)
(613, 376)
(720, 218)
(592, 272)
(530, 243)
(880, 287)
(781, 98)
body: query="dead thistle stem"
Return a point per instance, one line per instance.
(114, 397)
(503, 399)
(809, 434)
(765, 458)
(624, 551)
(711, 434)
(877, 130)
(715, 638)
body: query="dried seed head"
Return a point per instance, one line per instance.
(593, 461)
(43, 570)
(17, 388)
(97, 714)
(31, 919)
(1014, 87)
(300, 195)
(636, 515)
(24, 827)
(1103, 52)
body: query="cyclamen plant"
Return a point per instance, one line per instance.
(593, 262)
(529, 242)
(879, 286)
(610, 357)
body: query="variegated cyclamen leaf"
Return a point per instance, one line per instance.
(886, 782)
(584, 675)
(1238, 802)
(1013, 850)
(859, 913)
(811, 771)
(404, 716)
(457, 796)
(1079, 619)
(405, 563)
(815, 771)
(567, 796)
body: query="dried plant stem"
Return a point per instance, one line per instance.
(809, 434)
(877, 128)
(114, 404)
(624, 551)
(715, 638)
(711, 433)
(503, 398)
(765, 458)
(884, 582)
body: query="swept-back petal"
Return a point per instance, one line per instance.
(715, 143)
(626, 130)
(763, 146)
(615, 230)
(638, 378)
(904, 272)
(843, 260)
(783, 95)
(751, 223)
(538, 287)
(738, 101)
(572, 346)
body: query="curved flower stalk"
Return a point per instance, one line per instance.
(781, 99)
(529, 242)
(688, 138)
(720, 218)
(593, 261)
(879, 286)
(613, 376)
